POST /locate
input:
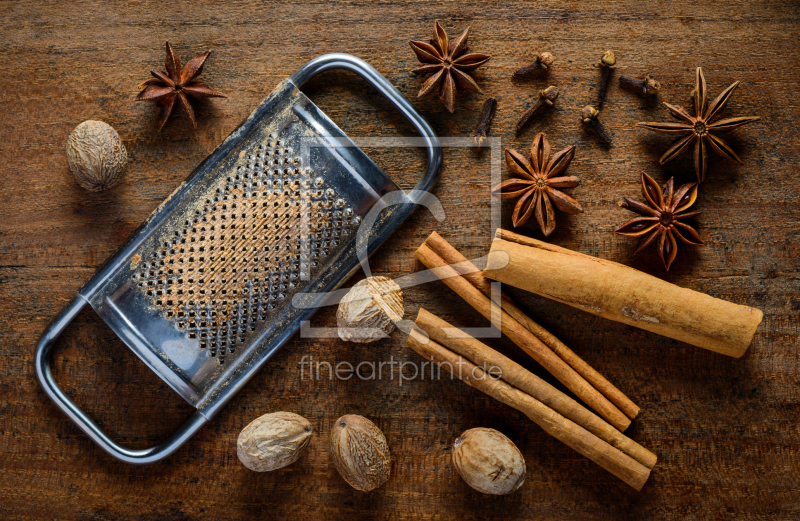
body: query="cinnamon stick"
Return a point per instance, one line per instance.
(514, 374)
(526, 340)
(452, 256)
(621, 293)
(610, 458)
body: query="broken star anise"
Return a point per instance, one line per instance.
(448, 64)
(177, 85)
(662, 217)
(537, 189)
(702, 129)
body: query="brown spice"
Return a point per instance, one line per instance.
(177, 85)
(370, 310)
(647, 85)
(488, 461)
(589, 117)
(487, 114)
(662, 218)
(621, 293)
(546, 98)
(537, 187)
(360, 453)
(702, 129)
(448, 64)
(273, 441)
(607, 62)
(541, 63)
(96, 155)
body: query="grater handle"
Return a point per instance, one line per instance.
(76, 414)
(357, 65)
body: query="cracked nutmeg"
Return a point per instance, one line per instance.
(661, 218)
(370, 310)
(537, 187)
(177, 86)
(448, 63)
(702, 129)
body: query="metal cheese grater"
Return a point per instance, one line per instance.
(203, 291)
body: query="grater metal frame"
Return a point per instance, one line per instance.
(390, 219)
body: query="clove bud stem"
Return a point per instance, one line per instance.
(647, 85)
(607, 62)
(487, 114)
(542, 62)
(589, 117)
(546, 98)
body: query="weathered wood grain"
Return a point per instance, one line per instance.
(725, 430)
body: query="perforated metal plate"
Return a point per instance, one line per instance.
(263, 232)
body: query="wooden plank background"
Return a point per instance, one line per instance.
(725, 430)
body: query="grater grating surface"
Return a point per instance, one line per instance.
(226, 270)
(239, 256)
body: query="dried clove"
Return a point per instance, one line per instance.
(541, 63)
(647, 85)
(607, 62)
(546, 98)
(589, 117)
(487, 114)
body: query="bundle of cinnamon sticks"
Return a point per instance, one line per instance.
(597, 438)
(469, 283)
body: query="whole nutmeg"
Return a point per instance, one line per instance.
(488, 461)
(273, 441)
(369, 310)
(96, 155)
(360, 453)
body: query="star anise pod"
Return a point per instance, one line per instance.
(702, 129)
(537, 189)
(177, 85)
(448, 64)
(663, 213)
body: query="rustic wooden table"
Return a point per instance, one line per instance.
(725, 430)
